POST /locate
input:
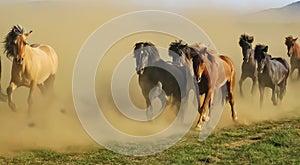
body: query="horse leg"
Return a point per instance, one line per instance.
(261, 92)
(292, 71)
(42, 88)
(29, 99)
(201, 109)
(230, 88)
(274, 94)
(12, 86)
(49, 83)
(241, 84)
(254, 79)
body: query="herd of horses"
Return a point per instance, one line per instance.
(36, 65)
(210, 71)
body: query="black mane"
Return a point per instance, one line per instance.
(10, 48)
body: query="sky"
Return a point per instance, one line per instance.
(242, 6)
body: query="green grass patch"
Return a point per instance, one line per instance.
(272, 142)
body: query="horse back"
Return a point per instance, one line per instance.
(51, 54)
(283, 62)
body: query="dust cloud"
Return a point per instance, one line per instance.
(65, 26)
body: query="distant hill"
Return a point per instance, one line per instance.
(287, 14)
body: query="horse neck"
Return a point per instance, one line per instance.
(154, 59)
(296, 50)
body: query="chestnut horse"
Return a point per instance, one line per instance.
(33, 65)
(293, 51)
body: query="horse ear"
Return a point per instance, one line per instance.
(295, 39)
(251, 38)
(205, 49)
(28, 34)
(265, 49)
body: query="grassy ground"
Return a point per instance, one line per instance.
(272, 142)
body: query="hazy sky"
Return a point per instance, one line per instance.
(242, 6)
(235, 5)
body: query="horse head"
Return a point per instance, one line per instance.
(179, 52)
(198, 52)
(290, 42)
(15, 43)
(145, 54)
(246, 44)
(261, 56)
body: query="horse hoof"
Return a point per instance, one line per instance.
(198, 127)
(12, 106)
(234, 118)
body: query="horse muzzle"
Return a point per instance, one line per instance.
(140, 71)
(19, 61)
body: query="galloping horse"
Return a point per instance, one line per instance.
(156, 73)
(32, 66)
(272, 73)
(249, 64)
(293, 51)
(221, 72)
(208, 74)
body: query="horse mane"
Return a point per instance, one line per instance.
(211, 54)
(245, 39)
(260, 52)
(10, 48)
(149, 46)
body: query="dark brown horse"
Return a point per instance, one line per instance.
(293, 51)
(272, 73)
(249, 63)
(156, 73)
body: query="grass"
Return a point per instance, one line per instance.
(272, 142)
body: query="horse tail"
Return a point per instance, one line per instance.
(232, 76)
(230, 63)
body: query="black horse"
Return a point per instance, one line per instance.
(249, 63)
(272, 73)
(155, 73)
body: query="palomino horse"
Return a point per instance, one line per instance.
(272, 73)
(208, 73)
(32, 65)
(155, 73)
(249, 64)
(293, 51)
